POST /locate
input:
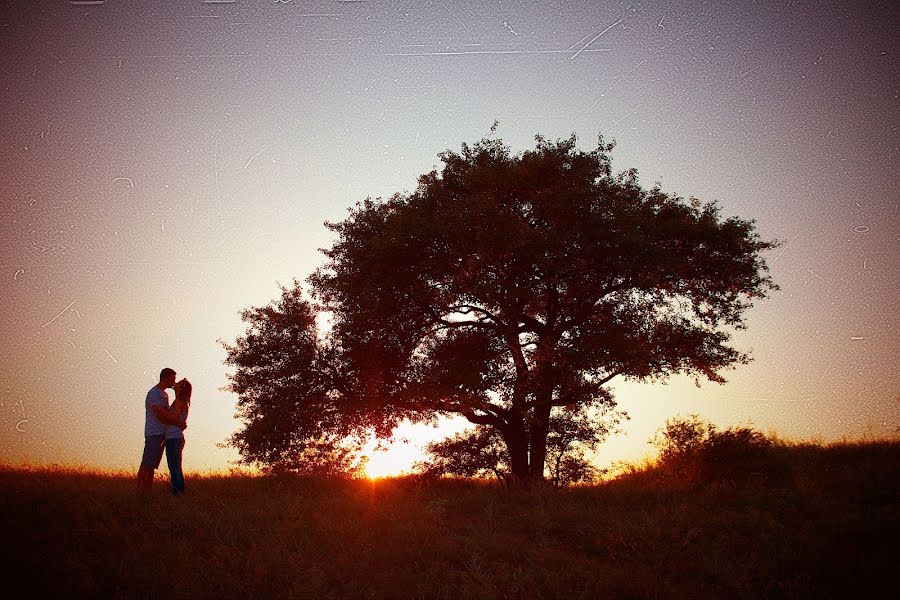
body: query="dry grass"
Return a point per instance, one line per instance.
(828, 529)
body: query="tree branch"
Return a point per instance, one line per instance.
(445, 324)
(535, 325)
(570, 401)
(481, 419)
(468, 308)
(581, 316)
(493, 411)
(607, 379)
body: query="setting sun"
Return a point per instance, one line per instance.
(397, 459)
(407, 447)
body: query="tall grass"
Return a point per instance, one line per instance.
(827, 529)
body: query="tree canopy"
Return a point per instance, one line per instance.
(505, 288)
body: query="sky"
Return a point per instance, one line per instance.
(166, 165)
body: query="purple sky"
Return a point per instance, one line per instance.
(166, 165)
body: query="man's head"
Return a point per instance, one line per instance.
(166, 378)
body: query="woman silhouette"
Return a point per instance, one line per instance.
(175, 434)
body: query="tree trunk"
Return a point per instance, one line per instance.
(516, 438)
(537, 443)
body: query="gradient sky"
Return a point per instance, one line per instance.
(165, 165)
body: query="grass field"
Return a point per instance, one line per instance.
(829, 527)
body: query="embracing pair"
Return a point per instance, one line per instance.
(164, 430)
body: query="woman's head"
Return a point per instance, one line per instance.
(183, 390)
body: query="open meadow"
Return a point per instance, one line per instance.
(827, 526)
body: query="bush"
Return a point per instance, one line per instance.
(694, 451)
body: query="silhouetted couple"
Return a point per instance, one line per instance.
(164, 430)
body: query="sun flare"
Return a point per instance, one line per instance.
(397, 459)
(397, 456)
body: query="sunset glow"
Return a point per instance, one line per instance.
(407, 447)
(167, 167)
(396, 460)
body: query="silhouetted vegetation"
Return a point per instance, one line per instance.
(693, 451)
(827, 529)
(507, 288)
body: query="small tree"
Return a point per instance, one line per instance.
(574, 435)
(682, 437)
(480, 452)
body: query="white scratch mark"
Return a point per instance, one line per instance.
(111, 356)
(594, 39)
(572, 47)
(652, 54)
(60, 314)
(21, 422)
(104, 370)
(255, 155)
(661, 48)
(468, 52)
(511, 30)
(124, 179)
(857, 337)
(660, 25)
(775, 260)
(622, 118)
(218, 192)
(16, 276)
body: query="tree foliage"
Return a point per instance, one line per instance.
(504, 288)
(284, 381)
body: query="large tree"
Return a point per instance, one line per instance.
(504, 288)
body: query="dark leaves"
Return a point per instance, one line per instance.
(503, 285)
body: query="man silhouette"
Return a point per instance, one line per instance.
(157, 417)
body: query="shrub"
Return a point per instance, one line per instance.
(694, 451)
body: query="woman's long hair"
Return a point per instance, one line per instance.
(185, 394)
